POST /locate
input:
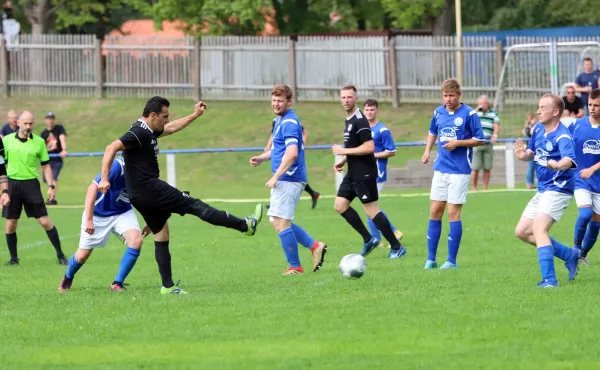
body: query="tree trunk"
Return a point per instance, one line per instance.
(442, 25)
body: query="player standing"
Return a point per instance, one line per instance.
(155, 199)
(456, 129)
(361, 179)
(289, 178)
(586, 136)
(103, 214)
(384, 149)
(551, 146)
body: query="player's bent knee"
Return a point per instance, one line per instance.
(11, 226)
(372, 209)
(436, 211)
(81, 255)
(45, 223)
(341, 205)
(454, 212)
(134, 239)
(202, 210)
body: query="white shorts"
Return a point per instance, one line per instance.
(118, 225)
(380, 186)
(284, 199)
(450, 187)
(585, 197)
(551, 203)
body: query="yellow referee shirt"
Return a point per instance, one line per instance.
(22, 156)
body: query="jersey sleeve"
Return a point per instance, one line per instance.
(433, 125)
(388, 141)
(363, 130)
(291, 133)
(496, 118)
(43, 154)
(61, 130)
(566, 148)
(579, 80)
(474, 126)
(134, 137)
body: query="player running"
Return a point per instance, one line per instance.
(551, 146)
(105, 214)
(155, 199)
(288, 181)
(384, 149)
(456, 129)
(361, 179)
(586, 136)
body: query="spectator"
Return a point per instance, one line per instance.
(573, 104)
(56, 143)
(11, 125)
(483, 156)
(586, 82)
(530, 123)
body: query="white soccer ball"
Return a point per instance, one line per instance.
(353, 266)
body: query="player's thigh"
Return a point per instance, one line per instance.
(554, 204)
(583, 198)
(102, 229)
(477, 163)
(155, 218)
(488, 157)
(15, 207)
(127, 228)
(531, 209)
(458, 188)
(346, 190)
(33, 201)
(284, 199)
(439, 187)
(596, 203)
(524, 228)
(366, 190)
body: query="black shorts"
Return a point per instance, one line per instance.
(24, 193)
(364, 189)
(160, 201)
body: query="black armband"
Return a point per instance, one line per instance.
(2, 170)
(44, 163)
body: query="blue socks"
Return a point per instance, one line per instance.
(72, 268)
(303, 237)
(373, 229)
(289, 243)
(127, 262)
(434, 231)
(585, 216)
(560, 250)
(454, 238)
(546, 260)
(590, 238)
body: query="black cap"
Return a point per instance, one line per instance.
(50, 115)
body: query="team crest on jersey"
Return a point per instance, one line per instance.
(458, 121)
(349, 127)
(541, 156)
(448, 134)
(591, 146)
(549, 146)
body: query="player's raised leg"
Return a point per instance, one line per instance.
(383, 224)
(218, 217)
(317, 248)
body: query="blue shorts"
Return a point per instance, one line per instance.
(55, 166)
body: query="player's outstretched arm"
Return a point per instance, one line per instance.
(90, 199)
(180, 124)
(107, 160)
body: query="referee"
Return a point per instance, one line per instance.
(22, 151)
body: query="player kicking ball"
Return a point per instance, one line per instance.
(586, 136)
(551, 147)
(105, 214)
(288, 181)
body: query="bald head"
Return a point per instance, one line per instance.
(25, 123)
(12, 118)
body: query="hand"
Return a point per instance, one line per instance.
(339, 166)
(519, 146)
(552, 164)
(89, 226)
(51, 194)
(586, 173)
(338, 150)
(146, 231)
(4, 199)
(425, 157)
(451, 145)
(587, 89)
(272, 183)
(63, 154)
(103, 186)
(256, 160)
(199, 108)
(494, 139)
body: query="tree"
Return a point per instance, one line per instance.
(93, 17)
(414, 14)
(41, 13)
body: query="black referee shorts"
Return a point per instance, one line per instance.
(24, 193)
(363, 189)
(159, 202)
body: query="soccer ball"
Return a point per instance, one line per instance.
(353, 266)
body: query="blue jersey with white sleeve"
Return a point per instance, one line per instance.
(384, 142)
(555, 145)
(586, 138)
(115, 201)
(288, 131)
(462, 124)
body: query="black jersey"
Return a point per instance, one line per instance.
(141, 159)
(357, 132)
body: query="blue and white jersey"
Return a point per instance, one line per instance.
(586, 138)
(556, 145)
(462, 124)
(115, 201)
(288, 131)
(384, 142)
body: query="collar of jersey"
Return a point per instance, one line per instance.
(23, 140)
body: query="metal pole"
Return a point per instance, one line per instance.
(459, 54)
(509, 158)
(554, 67)
(171, 170)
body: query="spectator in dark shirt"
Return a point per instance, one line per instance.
(56, 143)
(11, 125)
(573, 104)
(587, 81)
